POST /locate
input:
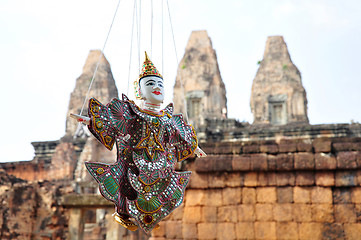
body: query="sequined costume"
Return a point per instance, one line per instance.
(142, 182)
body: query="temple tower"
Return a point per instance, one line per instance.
(204, 90)
(278, 96)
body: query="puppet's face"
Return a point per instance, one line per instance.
(152, 89)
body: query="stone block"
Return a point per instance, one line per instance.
(325, 179)
(302, 212)
(346, 179)
(223, 163)
(248, 195)
(234, 180)
(346, 160)
(272, 178)
(341, 195)
(346, 146)
(189, 230)
(241, 163)
(192, 214)
(198, 180)
(194, 197)
(283, 212)
(246, 212)
(173, 230)
(322, 213)
(345, 213)
(207, 231)
(358, 212)
(216, 180)
(227, 214)
(325, 161)
(304, 146)
(304, 161)
(305, 178)
(245, 230)
(206, 164)
(266, 195)
(264, 212)
(321, 195)
(265, 230)
(285, 194)
(355, 194)
(287, 230)
(213, 198)
(302, 195)
(285, 179)
(352, 231)
(177, 214)
(250, 149)
(259, 162)
(322, 145)
(269, 148)
(262, 179)
(307, 231)
(226, 231)
(271, 161)
(231, 196)
(284, 161)
(209, 214)
(250, 179)
(287, 147)
(333, 231)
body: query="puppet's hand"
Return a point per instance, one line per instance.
(199, 152)
(81, 119)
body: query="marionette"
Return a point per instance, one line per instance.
(150, 141)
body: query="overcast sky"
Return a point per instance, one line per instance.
(44, 45)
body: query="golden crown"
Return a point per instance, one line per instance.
(149, 69)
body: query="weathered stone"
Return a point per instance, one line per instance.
(333, 231)
(321, 195)
(284, 161)
(287, 230)
(285, 194)
(262, 179)
(227, 214)
(264, 212)
(250, 179)
(305, 178)
(345, 213)
(325, 161)
(234, 180)
(200, 82)
(223, 163)
(325, 179)
(278, 96)
(207, 231)
(304, 146)
(271, 178)
(304, 161)
(216, 180)
(347, 146)
(189, 230)
(302, 212)
(269, 149)
(265, 230)
(310, 231)
(322, 213)
(241, 163)
(355, 195)
(209, 214)
(346, 160)
(322, 145)
(250, 149)
(346, 179)
(246, 212)
(173, 230)
(302, 195)
(352, 231)
(283, 212)
(287, 147)
(198, 180)
(194, 197)
(192, 214)
(231, 196)
(248, 195)
(285, 179)
(266, 195)
(245, 230)
(259, 162)
(271, 160)
(213, 198)
(341, 195)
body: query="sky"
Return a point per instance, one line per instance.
(44, 45)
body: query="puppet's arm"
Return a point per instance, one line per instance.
(81, 119)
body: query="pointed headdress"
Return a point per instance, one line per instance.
(148, 69)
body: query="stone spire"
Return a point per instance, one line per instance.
(278, 96)
(103, 88)
(204, 89)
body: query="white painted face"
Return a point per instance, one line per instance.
(152, 89)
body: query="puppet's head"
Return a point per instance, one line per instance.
(149, 86)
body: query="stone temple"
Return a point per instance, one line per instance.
(277, 178)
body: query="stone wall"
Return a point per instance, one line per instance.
(287, 189)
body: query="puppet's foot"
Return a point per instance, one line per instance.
(126, 223)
